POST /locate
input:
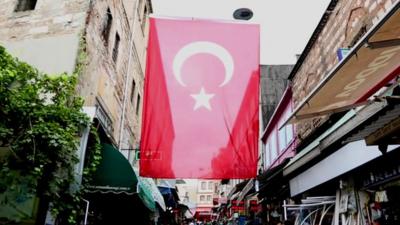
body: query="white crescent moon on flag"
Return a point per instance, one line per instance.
(203, 47)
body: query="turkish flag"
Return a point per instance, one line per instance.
(201, 94)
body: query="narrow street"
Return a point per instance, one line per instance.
(211, 112)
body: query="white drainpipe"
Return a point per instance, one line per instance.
(121, 125)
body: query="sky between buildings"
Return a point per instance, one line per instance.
(286, 25)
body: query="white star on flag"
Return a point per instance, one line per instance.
(202, 99)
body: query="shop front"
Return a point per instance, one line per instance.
(356, 176)
(203, 214)
(378, 186)
(273, 193)
(116, 194)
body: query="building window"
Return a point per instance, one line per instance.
(144, 17)
(25, 5)
(274, 146)
(107, 26)
(209, 198)
(202, 198)
(133, 90)
(186, 197)
(289, 129)
(267, 155)
(138, 105)
(145, 11)
(282, 138)
(116, 47)
(210, 185)
(139, 7)
(203, 185)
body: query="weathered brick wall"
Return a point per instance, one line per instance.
(46, 37)
(50, 17)
(54, 21)
(103, 80)
(341, 30)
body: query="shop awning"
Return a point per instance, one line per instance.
(170, 196)
(347, 158)
(370, 64)
(114, 173)
(203, 212)
(185, 210)
(272, 182)
(312, 150)
(351, 122)
(150, 194)
(246, 190)
(236, 189)
(383, 130)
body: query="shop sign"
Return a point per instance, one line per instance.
(382, 175)
(254, 207)
(237, 205)
(104, 117)
(342, 53)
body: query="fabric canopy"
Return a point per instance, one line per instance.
(371, 63)
(114, 173)
(150, 194)
(170, 195)
(245, 191)
(145, 195)
(272, 181)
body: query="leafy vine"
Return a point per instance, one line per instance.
(41, 121)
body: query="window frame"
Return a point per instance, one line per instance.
(144, 16)
(138, 99)
(267, 154)
(25, 5)
(289, 127)
(105, 33)
(115, 51)
(210, 185)
(274, 146)
(133, 90)
(282, 143)
(203, 187)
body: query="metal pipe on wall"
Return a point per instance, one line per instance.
(131, 44)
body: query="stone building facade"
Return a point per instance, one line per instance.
(106, 39)
(273, 82)
(341, 26)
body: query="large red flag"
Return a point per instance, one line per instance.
(200, 113)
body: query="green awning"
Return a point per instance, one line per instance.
(145, 194)
(114, 173)
(149, 193)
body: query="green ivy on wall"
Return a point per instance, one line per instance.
(41, 121)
